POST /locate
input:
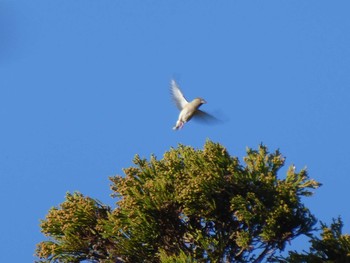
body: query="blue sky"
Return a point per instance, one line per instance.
(84, 87)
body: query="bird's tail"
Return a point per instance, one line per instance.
(178, 125)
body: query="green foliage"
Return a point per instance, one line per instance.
(75, 231)
(190, 206)
(333, 247)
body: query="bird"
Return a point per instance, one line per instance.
(188, 110)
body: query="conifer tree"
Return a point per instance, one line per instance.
(190, 206)
(332, 247)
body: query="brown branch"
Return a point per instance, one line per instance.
(262, 255)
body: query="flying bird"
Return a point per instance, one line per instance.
(188, 109)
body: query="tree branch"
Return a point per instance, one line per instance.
(262, 255)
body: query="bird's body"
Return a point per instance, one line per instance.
(187, 109)
(187, 112)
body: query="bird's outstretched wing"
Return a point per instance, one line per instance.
(205, 117)
(177, 95)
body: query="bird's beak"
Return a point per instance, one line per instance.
(203, 101)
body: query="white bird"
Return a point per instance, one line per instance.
(188, 109)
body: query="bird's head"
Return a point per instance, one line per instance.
(199, 101)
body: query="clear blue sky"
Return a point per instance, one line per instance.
(84, 86)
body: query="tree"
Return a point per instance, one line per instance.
(333, 247)
(190, 206)
(75, 230)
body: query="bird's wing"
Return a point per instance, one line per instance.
(205, 117)
(177, 95)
